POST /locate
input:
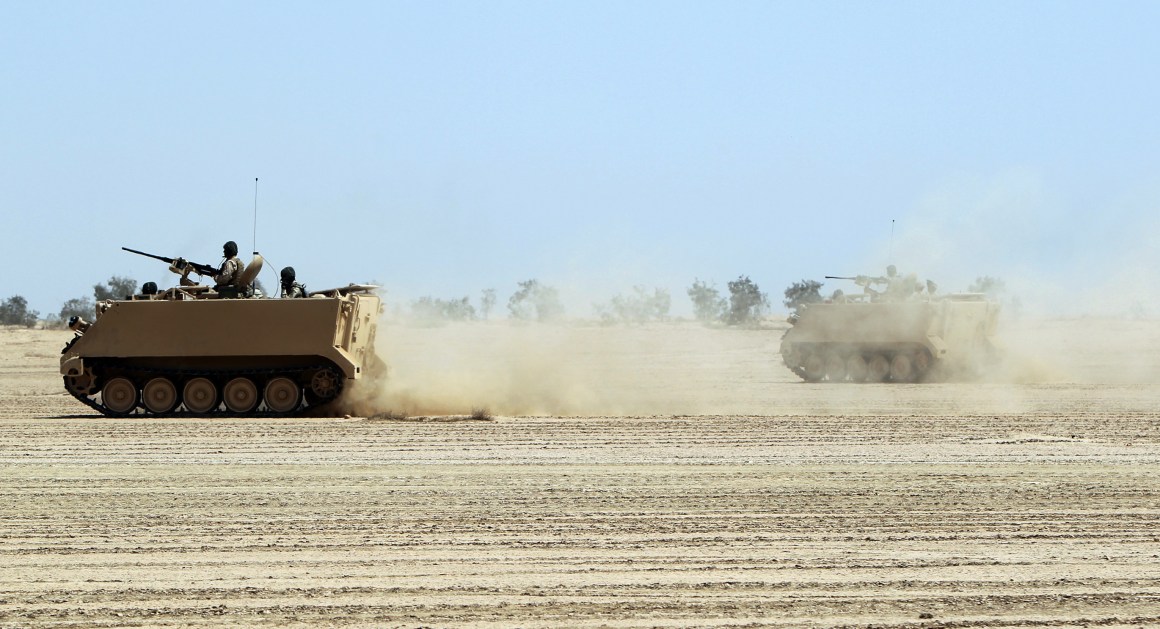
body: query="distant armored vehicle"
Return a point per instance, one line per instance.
(193, 350)
(897, 341)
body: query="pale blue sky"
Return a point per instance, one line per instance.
(441, 148)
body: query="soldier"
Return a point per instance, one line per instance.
(290, 288)
(230, 273)
(868, 290)
(899, 288)
(896, 289)
(148, 291)
(867, 283)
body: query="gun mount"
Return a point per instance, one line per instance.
(180, 266)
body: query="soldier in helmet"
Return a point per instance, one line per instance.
(148, 291)
(291, 288)
(898, 288)
(230, 272)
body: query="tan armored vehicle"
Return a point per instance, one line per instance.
(194, 350)
(897, 341)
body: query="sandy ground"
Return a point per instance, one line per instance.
(661, 476)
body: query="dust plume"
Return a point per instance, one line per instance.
(515, 368)
(506, 369)
(1057, 262)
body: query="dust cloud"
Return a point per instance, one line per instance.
(463, 368)
(1055, 259)
(505, 368)
(1087, 350)
(514, 368)
(1080, 302)
(1080, 285)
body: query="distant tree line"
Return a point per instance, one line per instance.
(744, 303)
(536, 301)
(533, 301)
(801, 294)
(639, 306)
(14, 310)
(433, 309)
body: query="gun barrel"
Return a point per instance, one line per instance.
(200, 269)
(839, 277)
(149, 255)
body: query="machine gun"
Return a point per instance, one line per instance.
(861, 280)
(180, 266)
(866, 282)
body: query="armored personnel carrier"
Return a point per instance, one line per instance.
(932, 338)
(195, 350)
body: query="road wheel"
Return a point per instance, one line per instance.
(119, 395)
(835, 368)
(240, 395)
(856, 368)
(159, 395)
(878, 368)
(901, 368)
(282, 395)
(200, 395)
(813, 368)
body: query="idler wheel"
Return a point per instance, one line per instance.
(814, 367)
(901, 368)
(856, 368)
(200, 395)
(119, 395)
(325, 384)
(240, 395)
(283, 395)
(878, 368)
(159, 395)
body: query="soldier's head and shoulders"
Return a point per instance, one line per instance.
(291, 288)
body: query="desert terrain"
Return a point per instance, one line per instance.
(666, 475)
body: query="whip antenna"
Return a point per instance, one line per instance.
(255, 215)
(891, 258)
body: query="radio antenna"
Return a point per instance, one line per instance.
(255, 216)
(890, 260)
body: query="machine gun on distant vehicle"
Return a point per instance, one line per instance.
(180, 266)
(859, 279)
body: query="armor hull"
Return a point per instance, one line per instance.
(951, 337)
(189, 351)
